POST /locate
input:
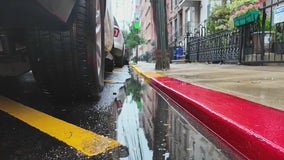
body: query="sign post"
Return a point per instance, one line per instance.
(137, 27)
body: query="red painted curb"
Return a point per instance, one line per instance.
(254, 130)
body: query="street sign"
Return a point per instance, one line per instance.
(279, 14)
(137, 25)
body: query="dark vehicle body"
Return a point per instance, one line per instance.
(49, 14)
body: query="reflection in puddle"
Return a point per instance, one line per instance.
(129, 131)
(153, 129)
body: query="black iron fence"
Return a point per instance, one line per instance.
(255, 43)
(263, 40)
(218, 47)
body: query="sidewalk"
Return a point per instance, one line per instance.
(260, 84)
(241, 105)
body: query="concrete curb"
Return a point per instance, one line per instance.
(253, 130)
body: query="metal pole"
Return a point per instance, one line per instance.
(136, 48)
(136, 54)
(187, 46)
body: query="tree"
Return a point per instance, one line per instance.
(162, 54)
(132, 39)
(219, 18)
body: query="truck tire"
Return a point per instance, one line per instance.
(71, 63)
(109, 65)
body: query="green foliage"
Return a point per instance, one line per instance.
(241, 8)
(132, 39)
(236, 4)
(267, 25)
(279, 38)
(218, 19)
(135, 88)
(220, 16)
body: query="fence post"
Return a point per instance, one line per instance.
(187, 46)
(175, 55)
(197, 53)
(263, 32)
(241, 44)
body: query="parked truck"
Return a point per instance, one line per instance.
(63, 42)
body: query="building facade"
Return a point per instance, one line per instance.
(147, 28)
(187, 18)
(124, 16)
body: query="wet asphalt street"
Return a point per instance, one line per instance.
(20, 141)
(148, 124)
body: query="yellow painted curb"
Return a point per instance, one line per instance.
(87, 142)
(147, 75)
(108, 81)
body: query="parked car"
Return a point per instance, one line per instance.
(63, 42)
(118, 49)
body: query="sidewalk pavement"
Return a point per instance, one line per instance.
(242, 105)
(260, 84)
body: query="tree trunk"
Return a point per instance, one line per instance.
(162, 51)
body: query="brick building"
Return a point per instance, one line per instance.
(147, 28)
(184, 17)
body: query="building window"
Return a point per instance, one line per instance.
(176, 30)
(188, 15)
(208, 10)
(148, 26)
(148, 9)
(187, 29)
(180, 23)
(172, 31)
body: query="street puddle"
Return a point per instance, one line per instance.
(154, 128)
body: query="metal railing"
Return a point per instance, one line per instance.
(248, 44)
(218, 47)
(264, 44)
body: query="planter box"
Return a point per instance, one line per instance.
(250, 16)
